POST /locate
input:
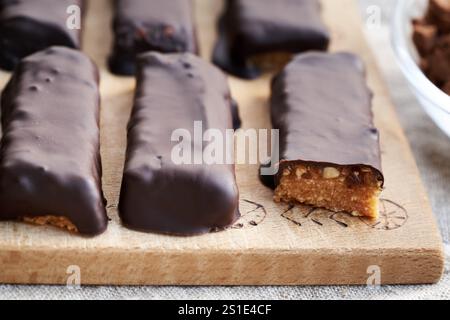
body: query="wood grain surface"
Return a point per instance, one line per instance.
(272, 244)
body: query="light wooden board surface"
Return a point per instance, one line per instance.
(270, 245)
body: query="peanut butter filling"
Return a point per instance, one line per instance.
(274, 61)
(59, 222)
(354, 190)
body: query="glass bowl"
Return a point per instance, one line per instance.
(435, 101)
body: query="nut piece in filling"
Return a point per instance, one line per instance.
(350, 189)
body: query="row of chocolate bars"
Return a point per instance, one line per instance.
(50, 166)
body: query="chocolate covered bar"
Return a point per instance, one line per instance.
(329, 147)
(29, 26)
(150, 25)
(255, 36)
(50, 167)
(160, 193)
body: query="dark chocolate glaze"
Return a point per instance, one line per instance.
(237, 122)
(50, 150)
(150, 25)
(28, 26)
(323, 109)
(250, 27)
(267, 180)
(159, 195)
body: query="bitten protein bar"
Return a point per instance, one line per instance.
(150, 25)
(256, 36)
(330, 153)
(160, 194)
(29, 26)
(50, 167)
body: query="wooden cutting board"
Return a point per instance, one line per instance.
(272, 244)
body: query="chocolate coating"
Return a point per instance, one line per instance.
(158, 194)
(150, 25)
(50, 150)
(249, 28)
(28, 26)
(322, 107)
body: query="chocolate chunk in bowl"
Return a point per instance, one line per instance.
(421, 48)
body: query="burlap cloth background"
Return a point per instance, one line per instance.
(432, 151)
